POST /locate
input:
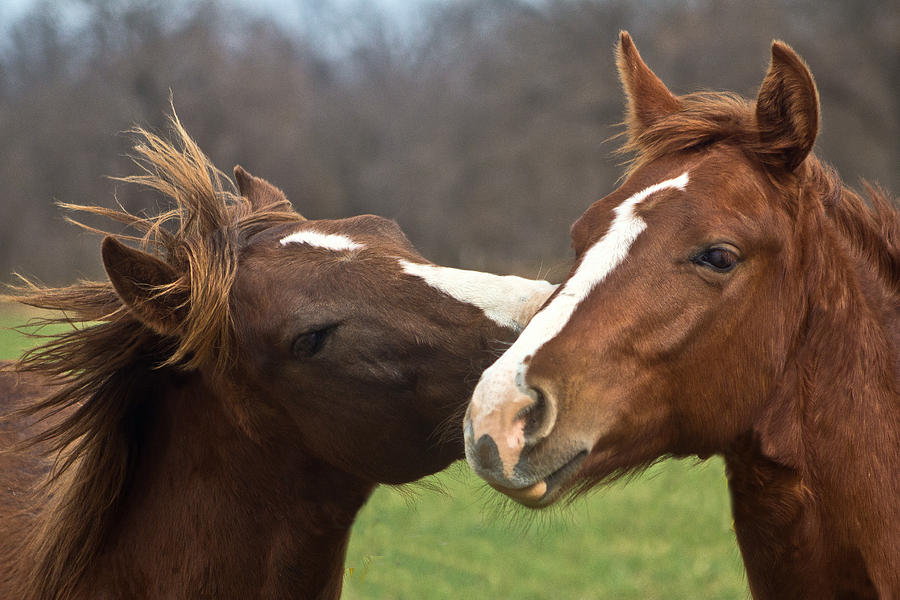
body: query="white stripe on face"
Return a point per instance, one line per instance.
(507, 300)
(328, 241)
(598, 262)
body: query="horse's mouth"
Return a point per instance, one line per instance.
(547, 490)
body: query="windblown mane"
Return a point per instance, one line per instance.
(108, 364)
(709, 117)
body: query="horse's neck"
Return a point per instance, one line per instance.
(209, 511)
(814, 488)
(769, 507)
(19, 471)
(779, 529)
(847, 396)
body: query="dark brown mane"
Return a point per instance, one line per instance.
(872, 228)
(705, 118)
(108, 363)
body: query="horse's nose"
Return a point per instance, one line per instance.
(503, 421)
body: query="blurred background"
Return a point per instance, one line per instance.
(482, 127)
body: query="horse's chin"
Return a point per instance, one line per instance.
(548, 490)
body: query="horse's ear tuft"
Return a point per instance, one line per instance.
(787, 108)
(647, 98)
(146, 285)
(261, 194)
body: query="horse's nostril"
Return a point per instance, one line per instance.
(539, 417)
(486, 454)
(533, 414)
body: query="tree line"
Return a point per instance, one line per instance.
(483, 127)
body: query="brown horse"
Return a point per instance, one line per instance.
(229, 399)
(731, 297)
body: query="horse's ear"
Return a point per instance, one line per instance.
(787, 108)
(144, 284)
(261, 194)
(647, 97)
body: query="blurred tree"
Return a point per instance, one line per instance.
(483, 127)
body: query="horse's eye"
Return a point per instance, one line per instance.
(717, 258)
(309, 343)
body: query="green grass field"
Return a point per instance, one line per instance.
(665, 535)
(13, 343)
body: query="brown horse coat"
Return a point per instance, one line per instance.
(732, 297)
(227, 401)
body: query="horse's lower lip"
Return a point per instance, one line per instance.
(528, 496)
(544, 492)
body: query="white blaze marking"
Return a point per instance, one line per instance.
(328, 241)
(598, 262)
(507, 300)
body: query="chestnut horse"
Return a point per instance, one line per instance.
(230, 397)
(732, 297)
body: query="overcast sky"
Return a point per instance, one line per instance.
(287, 10)
(286, 13)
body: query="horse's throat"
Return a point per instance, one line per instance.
(208, 508)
